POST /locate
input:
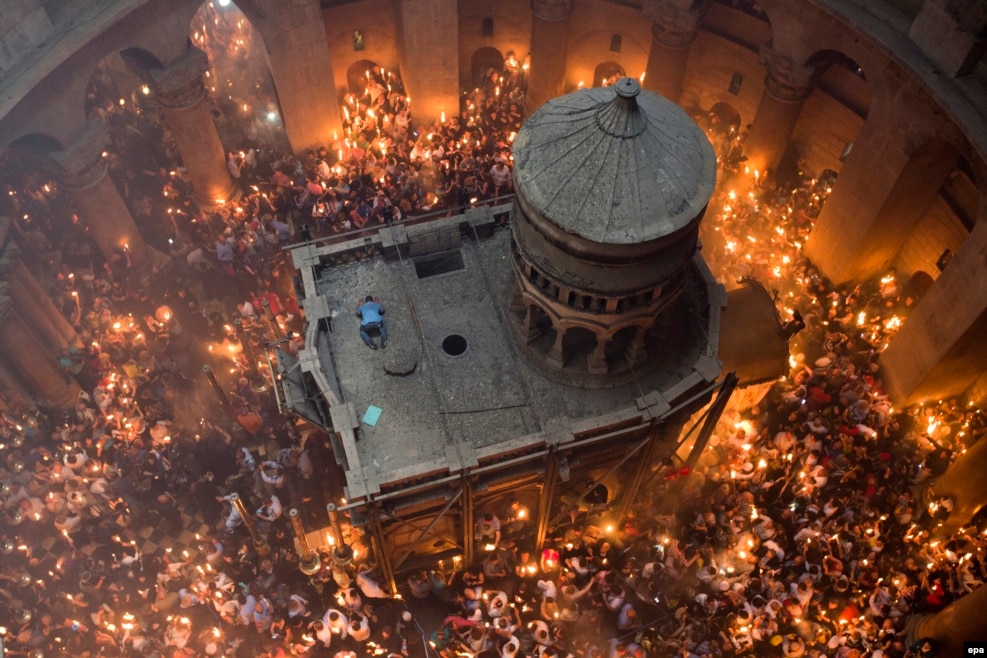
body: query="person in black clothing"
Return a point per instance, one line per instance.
(793, 326)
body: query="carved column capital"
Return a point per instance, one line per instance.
(785, 80)
(551, 10)
(82, 165)
(673, 26)
(180, 86)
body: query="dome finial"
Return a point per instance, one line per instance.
(627, 87)
(622, 117)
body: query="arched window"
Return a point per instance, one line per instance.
(615, 42)
(486, 27)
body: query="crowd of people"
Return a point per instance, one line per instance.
(797, 534)
(385, 168)
(801, 532)
(97, 500)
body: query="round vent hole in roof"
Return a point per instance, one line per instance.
(454, 345)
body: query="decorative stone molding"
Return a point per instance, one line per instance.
(785, 80)
(180, 86)
(674, 27)
(551, 10)
(82, 165)
(6, 306)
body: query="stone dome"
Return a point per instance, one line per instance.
(614, 165)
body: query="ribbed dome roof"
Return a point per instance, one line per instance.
(614, 165)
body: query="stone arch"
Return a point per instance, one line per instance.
(759, 10)
(137, 62)
(541, 329)
(234, 45)
(833, 100)
(942, 229)
(38, 143)
(102, 88)
(830, 53)
(141, 59)
(904, 211)
(482, 61)
(840, 76)
(23, 160)
(625, 347)
(356, 75)
(578, 343)
(606, 73)
(244, 98)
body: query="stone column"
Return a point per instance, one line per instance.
(555, 357)
(960, 621)
(596, 362)
(892, 175)
(963, 481)
(549, 43)
(528, 327)
(12, 395)
(786, 86)
(939, 351)
(182, 95)
(298, 53)
(37, 308)
(428, 47)
(82, 170)
(672, 35)
(24, 355)
(636, 352)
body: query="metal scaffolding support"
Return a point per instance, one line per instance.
(431, 526)
(378, 539)
(631, 491)
(547, 497)
(468, 524)
(713, 417)
(631, 453)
